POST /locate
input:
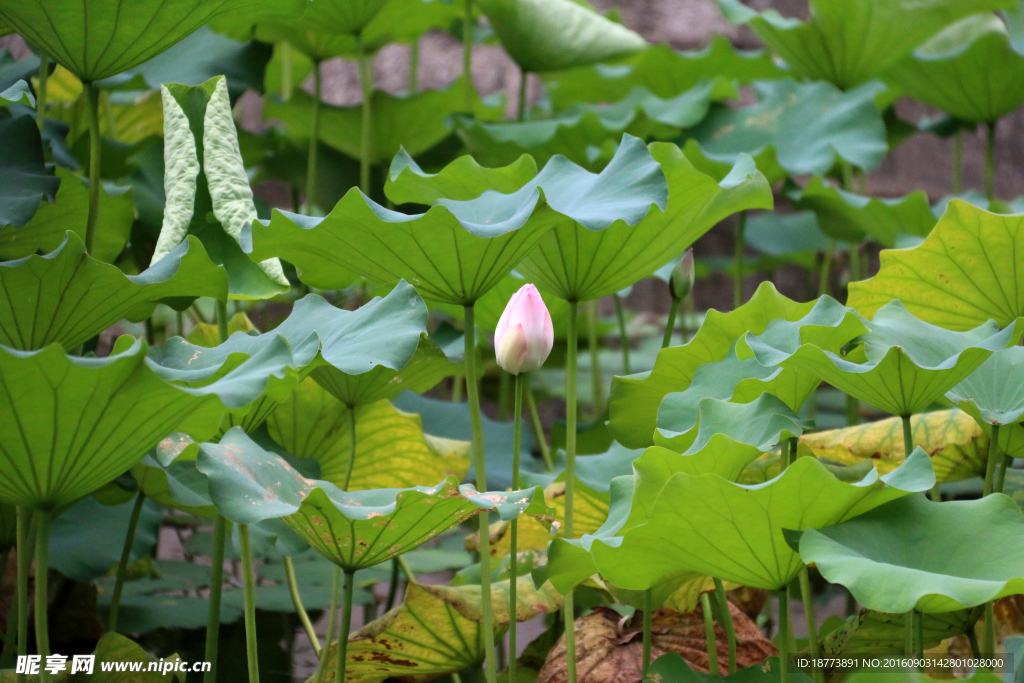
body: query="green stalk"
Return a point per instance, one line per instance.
(670, 323)
(250, 604)
(521, 113)
(314, 138)
(730, 630)
(993, 460)
(346, 626)
(919, 636)
(331, 619)
(44, 74)
(825, 275)
(467, 54)
(517, 419)
(812, 622)
(784, 631)
(597, 384)
(623, 337)
(709, 634)
(908, 436)
(972, 638)
(25, 523)
(538, 428)
(570, 477)
(366, 80)
(504, 389)
(122, 566)
(473, 393)
(42, 520)
(990, 631)
(648, 608)
(220, 533)
(908, 633)
(93, 109)
(222, 320)
(741, 246)
(958, 162)
(414, 67)
(300, 609)
(1001, 479)
(990, 161)
(392, 586)
(457, 389)
(286, 71)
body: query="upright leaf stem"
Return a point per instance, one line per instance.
(220, 533)
(670, 324)
(572, 339)
(413, 84)
(741, 247)
(523, 80)
(122, 566)
(597, 383)
(709, 634)
(990, 161)
(366, 81)
(994, 459)
(300, 609)
(346, 627)
(25, 527)
(251, 653)
(314, 138)
(332, 618)
(517, 419)
(730, 630)
(812, 621)
(957, 172)
(620, 314)
(785, 628)
(92, 95)
(538, 428)
(42, 602)
(908, 436)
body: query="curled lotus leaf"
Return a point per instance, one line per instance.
(461, 180)
(994, 393)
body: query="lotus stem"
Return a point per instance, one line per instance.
(44, 74)
(908, 436)
(250, 604)
(352, 448)
(314, 138)
(990, 161)
(597, 383)
(919, 635)
(990, 630)
(220, 533)
(785, 628)
(504, 389)
(812, 621)
(645, 662)
(972, 638)
(346, 626)
(709, 634)
(825, 274)
(993, 460)
(300, 609)
(623, 337)
(957, 171)
(523, 77)
(366, 80)
(457, 389)
(392, 586)
(24, 532)
(414, 67)
(122, 566)
(908, 632)
(286, 71)
(1001, 479)
(93, 110)
(670, 323)
(42, 523)
(730, 630)
(517, 419)
(222, 320)
(467, 54)
(741, 247)
(538, 428)
(473, 394)
(572, 340)
(331, 620)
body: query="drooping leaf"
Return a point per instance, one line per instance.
(762, 424)
(208, 193)
(549, 35)
(660, 69)
(168, 475)
(80, 422)
(993, 393)
(461, 180)
(353, 529)
(795, 128)
(583, 259)
(68, 297)
(24, 180)
(848, 43)
(392, 450)
(896, 557)
(963, 274)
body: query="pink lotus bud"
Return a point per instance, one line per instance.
(681, 281)
(524, 336)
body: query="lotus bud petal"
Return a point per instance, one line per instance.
(681, 281)
(525, 335)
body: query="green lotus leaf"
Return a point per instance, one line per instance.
(210, 199)
(584, 260)
(68, 297)
(970, 70)
(81, 422)
(709, 525)
(414, 123)
(461, 180)
(796, 128)
(587, 133)
(850, 43)
(790, 238)
(392, 450)
(909, 363)
(660, 69)
(19, 93)
(354, 530)
(963, 274)
(549, 35)
(896, 557)
(24, 180)
(852, 217)
(168, 475)
(874, 633)
(995, 391)
(634, 399)
(100, 39)
(45, 232)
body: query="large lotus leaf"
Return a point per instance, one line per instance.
(207, 189)
(873, 633)
(634, 399)
(964, 273)
(710, 525)
(68, 297)
(992, 394)
(848, 43)
(77, 423)
(909, 363)
(970, 70)
(391, 449)
(762, 424)
(411, 122)
(549, 35)
(461, 180)
(24, 180)
(587, 133)
(852, 217)
(354, 530)
(45, 232)
(787, 238)
(806, 128)
(99, 39)
(660, 69)
(168, 475)
(580, 261)
(896, 557)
